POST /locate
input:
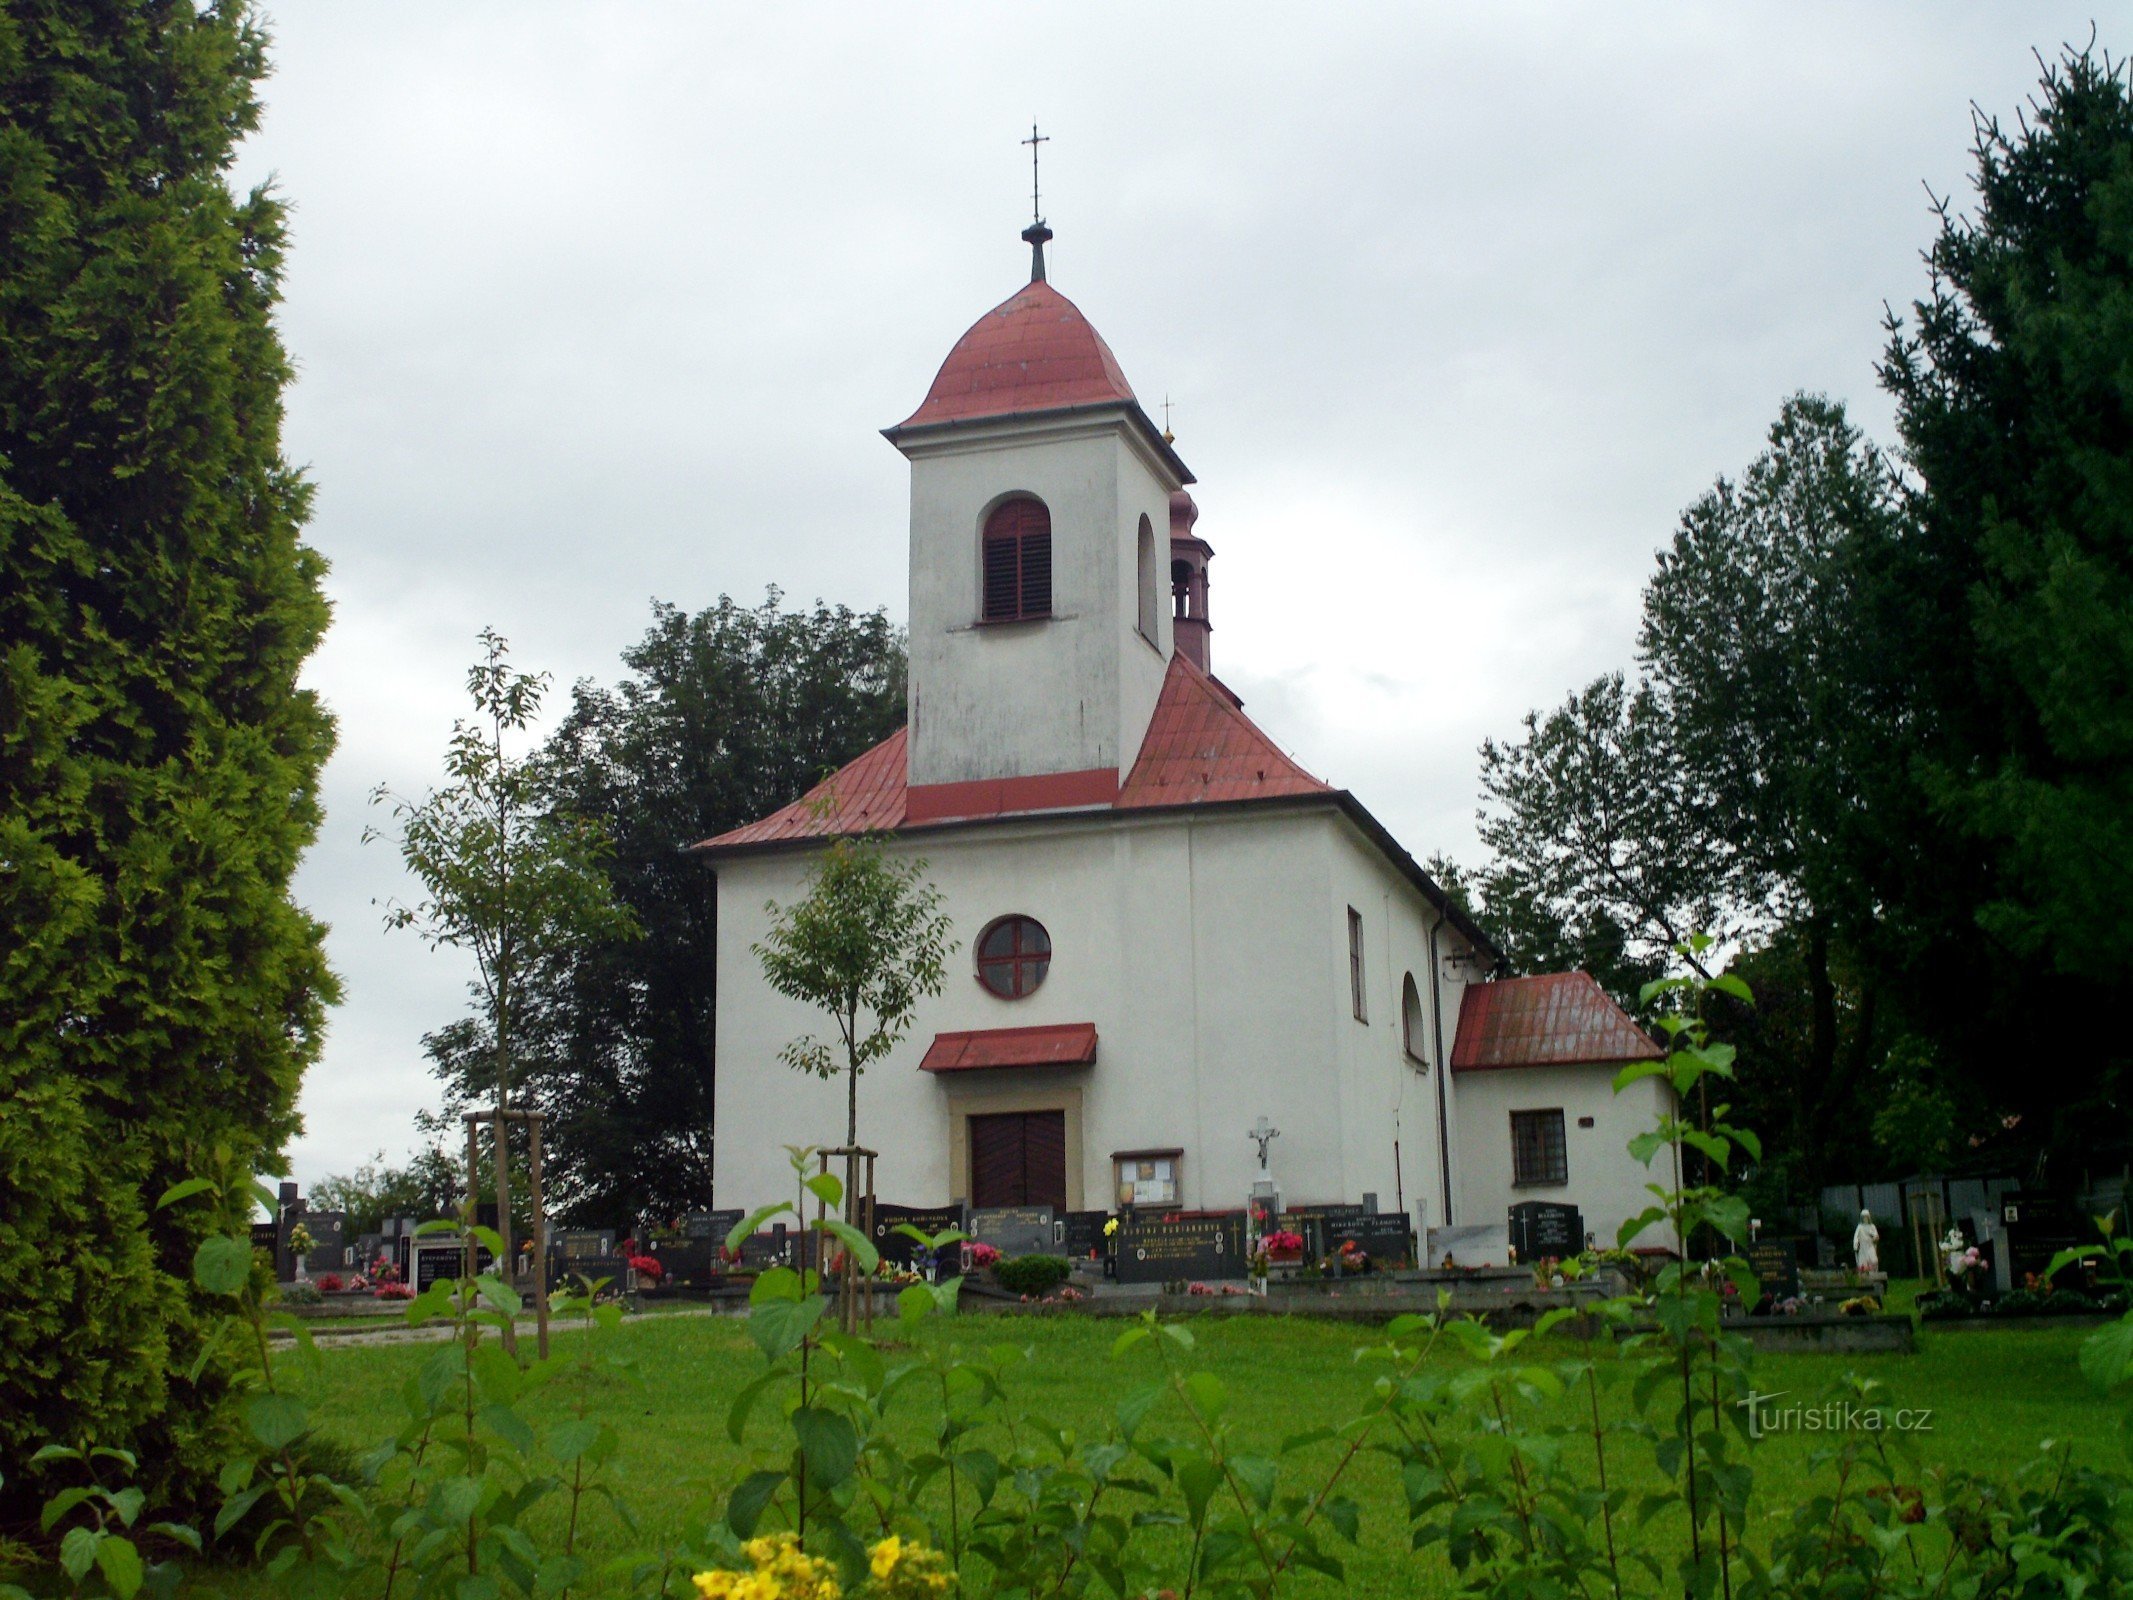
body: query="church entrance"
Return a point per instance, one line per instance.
(1019, 1159)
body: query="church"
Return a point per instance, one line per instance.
(1167, 929)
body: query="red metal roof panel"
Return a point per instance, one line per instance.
(1200, 746)
(1555, 1019)
(1058, 1044)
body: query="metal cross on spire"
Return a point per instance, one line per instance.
(1036, 233)
(1036, 210)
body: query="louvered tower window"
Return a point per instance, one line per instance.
(1018, 561)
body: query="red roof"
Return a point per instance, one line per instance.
(1058, 1044)
(1556, 1019)
(1034, 351)
(1200, 747)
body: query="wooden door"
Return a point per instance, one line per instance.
(1018, 1158)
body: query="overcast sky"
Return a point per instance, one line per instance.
(1458, 307)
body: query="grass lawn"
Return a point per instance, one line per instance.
(1994, 1396)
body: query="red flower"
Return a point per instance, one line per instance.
(647, 1267)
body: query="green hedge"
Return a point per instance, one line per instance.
(1032, 1274)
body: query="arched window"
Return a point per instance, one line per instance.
(1414, 1032)
(1018, 560)
(1148, 581)
(1014, 954)
(1181, 589)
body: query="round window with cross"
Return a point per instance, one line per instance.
(1014, 953)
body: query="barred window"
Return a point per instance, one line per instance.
(1538, 1153)
(1018, 560)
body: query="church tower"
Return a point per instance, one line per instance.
(1041, 549)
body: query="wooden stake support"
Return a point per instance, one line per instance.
(499, 1119)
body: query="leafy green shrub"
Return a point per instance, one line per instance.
(302, 1294)
(2068, 1303)
(1033, 1275)
(1942, 1305)
(2018, 1303)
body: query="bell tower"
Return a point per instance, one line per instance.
(1041, 540)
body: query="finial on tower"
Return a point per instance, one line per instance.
(1037, 234)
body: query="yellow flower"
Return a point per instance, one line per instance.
(886, 1555)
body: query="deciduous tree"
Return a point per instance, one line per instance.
(721, 716)
(504, 876)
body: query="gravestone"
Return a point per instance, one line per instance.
(1776, 1264)
(1190, 1248)
(1014, 1230)
(577, 1243)
(440, 1256)
(1543, 1228)
(1485, 1244)
(329, 1240)
(1082, 1234)
(689, 1263)
(1311, 1221)
(1383, 1236)
(2036, 1227)
(711, 1225)
(769, 1249)
(265, 1235)
(901, 1248)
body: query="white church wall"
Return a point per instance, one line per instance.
(1143, 663)
(1606, 1185)
(1390, 1093)
(1196, 944)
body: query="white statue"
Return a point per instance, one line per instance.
(1866, 1243)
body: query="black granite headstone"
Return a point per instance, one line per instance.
(1190, 1248)
(1543, 1228)
(689, 1263)
(329, 1241)
(1776, 1264)
(771, 1249)
(901, 1248)
(1386, 1237)
(1310, 1223)
(1083, 1234)
(574, 1243)
(1014, 1230)
(2037, 1227)
(712, 1225)
(574, 1274)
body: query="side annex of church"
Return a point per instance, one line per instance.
(1166, 928)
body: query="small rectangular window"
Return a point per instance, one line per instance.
(1355, 964)
(1538, 1152)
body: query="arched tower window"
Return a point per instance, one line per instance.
(1414, 1034)
(1147, 570)
(1181, 589)
(1018, 560)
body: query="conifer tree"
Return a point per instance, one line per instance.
(160, 991)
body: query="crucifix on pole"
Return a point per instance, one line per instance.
(1262, 1135)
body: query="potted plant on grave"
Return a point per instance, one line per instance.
(301, 1244)
(983, 1257)
(1282, 1245)
(1353, 1259)
(646, 1272)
